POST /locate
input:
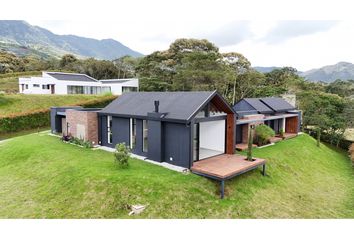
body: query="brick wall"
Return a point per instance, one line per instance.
(83, 124)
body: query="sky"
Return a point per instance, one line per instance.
(301, 34)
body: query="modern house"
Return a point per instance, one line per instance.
(75, 83)
(174, 127)
(275, 112)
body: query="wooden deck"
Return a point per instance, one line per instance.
(224, 167)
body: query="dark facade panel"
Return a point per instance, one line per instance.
(120, 131)
(155, 144)
(177, 144)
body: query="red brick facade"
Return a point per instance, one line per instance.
(82, 124)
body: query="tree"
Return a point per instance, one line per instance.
(67, 60)
(342, 88)
(325, 112)
(239, 65)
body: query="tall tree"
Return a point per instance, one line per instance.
(239, 65)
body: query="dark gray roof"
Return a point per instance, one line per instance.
(277, 104)
(177, 105)
(258, 105)
(71, 77)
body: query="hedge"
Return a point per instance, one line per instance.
(41, 118)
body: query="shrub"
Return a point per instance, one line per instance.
(77, 141)
(121, 155)
(263, 134)
(281, 133)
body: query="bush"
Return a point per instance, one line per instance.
(121, 155)
(263, 134)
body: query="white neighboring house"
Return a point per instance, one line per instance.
(75, 83)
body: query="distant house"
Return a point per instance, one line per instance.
(75, 83)
(174, 127)
(275, 112)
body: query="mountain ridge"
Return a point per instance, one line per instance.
(16, 35)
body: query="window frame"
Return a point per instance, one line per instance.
(145, 138)
(109, 130)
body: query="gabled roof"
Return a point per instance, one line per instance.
(277, 104)
(181, 106)
(71, 77)
(258, 105)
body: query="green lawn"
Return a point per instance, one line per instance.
(17, 103)
(41, 177)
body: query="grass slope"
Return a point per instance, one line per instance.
(18, 103)
(40, 177)
(9, 81)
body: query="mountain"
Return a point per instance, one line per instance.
(330, 73)
(21, 38)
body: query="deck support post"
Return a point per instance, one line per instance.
(264, 170)
(222, 189)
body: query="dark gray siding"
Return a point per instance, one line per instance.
(239, 133)
(120, 130)
(155, 144)
(177, 144)
(103, 131)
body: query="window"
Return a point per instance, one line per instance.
(145, 135)
(75, 90)
(36, 85)
(105, 89)
(132, 133)
(109, 129)
(87, 90)
(45, 86)
(129, 89)
(26, 86)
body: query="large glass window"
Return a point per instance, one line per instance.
(132, 133)
(88, 90)
(129, 89)
(145, 135)
(109, 129)
(36, 85)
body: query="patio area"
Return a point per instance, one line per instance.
(226, 166)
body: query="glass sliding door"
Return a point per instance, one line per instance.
(196, 142)
(132, 133)
(145, 135)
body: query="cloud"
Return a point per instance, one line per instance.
(286, 30)
(229, 34)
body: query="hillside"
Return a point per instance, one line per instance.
(21, 103)
(23, 39)
(41, 177)
(330, 73)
